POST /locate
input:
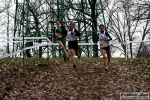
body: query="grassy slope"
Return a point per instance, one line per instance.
(55, 79)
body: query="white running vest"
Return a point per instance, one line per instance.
(71, 37)
(103, 40)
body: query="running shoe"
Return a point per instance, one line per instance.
(65, 59)
(79, 56)
(74, 66)
(106, 69)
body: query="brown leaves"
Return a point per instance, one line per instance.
(88, 81)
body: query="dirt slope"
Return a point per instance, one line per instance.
(59, 81)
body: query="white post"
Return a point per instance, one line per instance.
(33, 50)
(126, 47)
(126, 51)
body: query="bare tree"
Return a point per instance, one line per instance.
(8, 25)
(5, 4)
(5, 12)
(144, 51)
(124, 20)
(144, 17)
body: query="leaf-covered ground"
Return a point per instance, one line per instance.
(57, 80)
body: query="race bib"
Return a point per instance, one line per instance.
(59, 35)
(70, 37)
(104, 43)
(103, 40)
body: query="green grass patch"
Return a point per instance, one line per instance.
(31, 68)
(31, 63)
(143, 70)
(148, 61)
(5, 61)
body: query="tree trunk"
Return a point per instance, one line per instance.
(7, 49)
(37, 30)
(94, 27)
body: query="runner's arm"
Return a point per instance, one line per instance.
(109, 36)
(64, 31)
(77, 33)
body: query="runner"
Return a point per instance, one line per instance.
(73, 43)
(104, 39)
(61, 34)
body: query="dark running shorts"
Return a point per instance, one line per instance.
(106, 48)
(73, 45)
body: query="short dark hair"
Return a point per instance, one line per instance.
(101, 25)
(57, 20)
(72, 24)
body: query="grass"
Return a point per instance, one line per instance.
(148, 61)
(32, 63)
(5, 61)
(31, 68)
(144, 70)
